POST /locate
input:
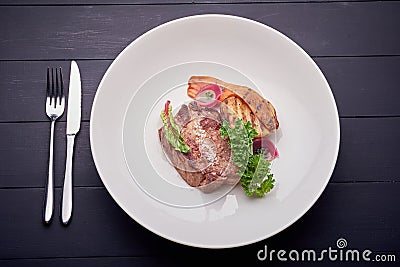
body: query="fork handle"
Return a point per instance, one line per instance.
(66, 208)
(49, 204)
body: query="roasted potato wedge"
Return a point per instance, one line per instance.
(265, 120)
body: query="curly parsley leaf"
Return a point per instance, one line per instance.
(257, 179)
(254, 170)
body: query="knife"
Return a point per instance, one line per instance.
(73, 125)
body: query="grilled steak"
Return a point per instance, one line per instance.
(208, 163)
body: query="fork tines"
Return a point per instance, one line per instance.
(55, 86)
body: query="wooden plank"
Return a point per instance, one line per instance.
(23, 86)
(364, 86)
(368, 152)
(154, 2)
(181, 260)
(371, 82)
(24, 150)
(91, 32)
(87, 262)
(366, 215)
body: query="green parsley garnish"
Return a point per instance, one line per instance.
(254, 170)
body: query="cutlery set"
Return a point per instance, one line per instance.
(55, 104)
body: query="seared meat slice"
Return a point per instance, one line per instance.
(209, 152)
(180, 162)
(197, 111)
(192, 111)
(208, 163)
(183, 116)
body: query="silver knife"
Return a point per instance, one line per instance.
(73, 125)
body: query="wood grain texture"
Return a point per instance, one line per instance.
(167, 262)
(25, 151)
(155, 2)
(368, 152)
(355, 43)
(99, 228)
(89, 262)
(101, 32)
(23, 87)
(362, 86)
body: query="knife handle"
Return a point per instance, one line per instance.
(49, 198)
(66, 208)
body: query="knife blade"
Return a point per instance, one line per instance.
(73, 126)
(74, 100)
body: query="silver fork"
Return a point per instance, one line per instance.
(55, 102)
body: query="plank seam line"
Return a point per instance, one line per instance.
(102, 187)
(200, 3)
(111, 59)
(55, 187)
(368, 116)
(79, 257)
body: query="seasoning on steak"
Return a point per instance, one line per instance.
(208, 163)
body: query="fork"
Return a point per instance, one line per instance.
(55, 102)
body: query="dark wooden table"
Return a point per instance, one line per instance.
(355, 43)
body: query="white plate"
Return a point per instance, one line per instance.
(284, 74)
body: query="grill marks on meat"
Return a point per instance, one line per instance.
(208, 163)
